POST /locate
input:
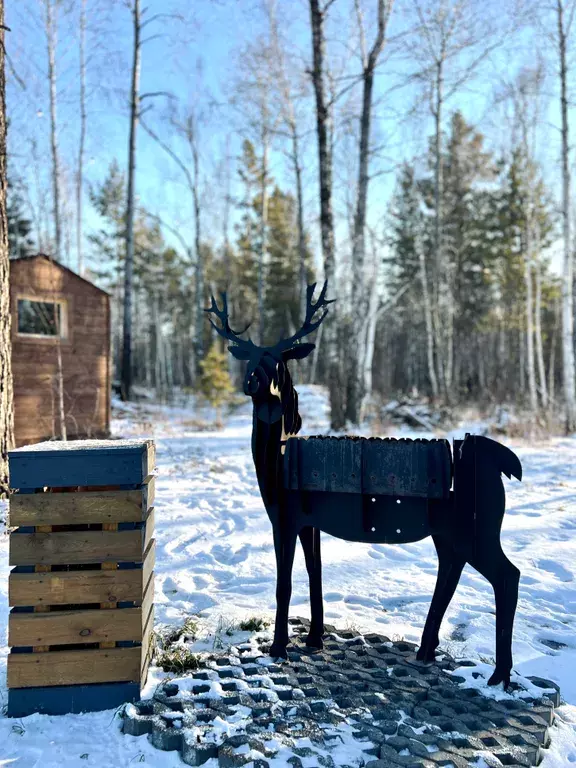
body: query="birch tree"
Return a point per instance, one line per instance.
(6, 393)
(288, 98)
(369, 58)
(82, 138)
(187, 129)
(452, 39)
(565, 11)
(126, 371)
(319, 74)
(50, 28)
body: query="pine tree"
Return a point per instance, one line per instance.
(215, 384)
(282, 257)
(282, 305)
(19, 225)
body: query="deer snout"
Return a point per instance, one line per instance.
(251, 385)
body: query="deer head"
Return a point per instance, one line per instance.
(267, 380)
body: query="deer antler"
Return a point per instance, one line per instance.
(312, 308)
(226, 332)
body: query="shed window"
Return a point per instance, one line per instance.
(41, 318)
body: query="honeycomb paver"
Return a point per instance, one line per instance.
(361, 693)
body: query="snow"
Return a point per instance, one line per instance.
(84, 445)
(215, 558)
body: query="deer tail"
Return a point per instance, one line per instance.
(505, 459)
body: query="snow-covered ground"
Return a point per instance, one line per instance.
(215, 558)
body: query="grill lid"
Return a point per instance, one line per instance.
(421, 468)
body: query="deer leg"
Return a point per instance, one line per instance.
(310, 540)
(493, 564)
(284, 547)
(450, 565)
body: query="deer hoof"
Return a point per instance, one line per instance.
(426, 655)
(500, 677)
(278, 651)
(315, 641)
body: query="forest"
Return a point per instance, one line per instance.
(417, 154)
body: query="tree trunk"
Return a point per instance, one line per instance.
(428, 322)
(552, 359)
(6, 393)
(263, 226)
(356, 374)
(300, 217)
(569, 378)
(437, 275)
(51, 44)
(199, 269)
(530, 362)
(538, 335)
(126, 382)
(323, 120)
(79, 178)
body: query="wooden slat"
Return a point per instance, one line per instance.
(42, 608)
(74, 667)
(149, 563)
(70, 627)
(109, 567)
(147, 647)
(147, 605)
(74, 547)
(148, 530)
(78, 587)
(110, 463)
(84, 507)
(65, 699)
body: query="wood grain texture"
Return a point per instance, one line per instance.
(147, 647)
(71, 508)
(85, 353)
(74, 667)
(70, 627)
(80, 587)
(110, 464)
(75, 547)
(64, 699)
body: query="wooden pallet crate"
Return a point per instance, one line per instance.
(81, 590)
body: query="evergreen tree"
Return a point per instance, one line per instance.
(215, 383)
(162, 306)
(282, 259)
(20, 241)
(405, 226)
(282, 304)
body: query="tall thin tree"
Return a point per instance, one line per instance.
(318, 12)
(6, 393)
(82, 140)
(51, 27)
(564, 24)
(126, 373)
(355, 372)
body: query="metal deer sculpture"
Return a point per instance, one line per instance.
(372, 490)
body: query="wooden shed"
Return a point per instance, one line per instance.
(58, 314)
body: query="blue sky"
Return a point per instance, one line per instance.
(196, 54)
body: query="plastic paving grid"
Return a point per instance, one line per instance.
(402, 713)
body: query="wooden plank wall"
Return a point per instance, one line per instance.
(85, 355)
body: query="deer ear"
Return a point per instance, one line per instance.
(298, 352)
(239, 353)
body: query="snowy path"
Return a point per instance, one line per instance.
(215, 556)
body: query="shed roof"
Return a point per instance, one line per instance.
(60, 266)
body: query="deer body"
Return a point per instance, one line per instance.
(465, 525)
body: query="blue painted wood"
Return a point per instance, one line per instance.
(66, 699)
(109, 463)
